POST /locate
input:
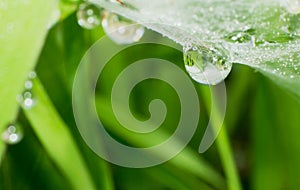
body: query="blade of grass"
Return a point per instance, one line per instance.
(223, 144)
(22, 32)
(274, 135)
(193, 163)
(58, 142)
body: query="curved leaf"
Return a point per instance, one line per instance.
(260, 34)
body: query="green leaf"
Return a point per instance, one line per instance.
(57, 140)
(275, 129)
(270, 35)
(22, 33)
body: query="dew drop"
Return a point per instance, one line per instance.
(246, 36)
(206, 65)
(120, 29)
(28, 85)
(32, 75)
(13, 134)
(89, 15)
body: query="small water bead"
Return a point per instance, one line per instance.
(32, 75)
(28, 85)
(239, 37)
(13, 134)
(120, 29)
(207, 65)
(89, 15)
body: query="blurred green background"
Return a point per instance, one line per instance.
(262, 122)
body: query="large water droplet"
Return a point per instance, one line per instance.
(13, 134)
(89, 15)
(120, 29)
(206, 65)
(241, 36)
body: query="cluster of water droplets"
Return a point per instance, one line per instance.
(118, 28)
(13, 134)
(264, 35)
(26, 99)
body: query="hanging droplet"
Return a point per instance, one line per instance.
(89, 15)
(120, 29)
(239, 37)
(206, 65)
(13, 134)
(292, 6)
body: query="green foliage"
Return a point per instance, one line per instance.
(262, 120)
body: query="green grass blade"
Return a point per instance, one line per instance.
(223, 144)
(187, 161)
(57, 140)
(22, 33)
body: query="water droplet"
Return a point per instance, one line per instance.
(32, 75)
(28, 85)
(120, 29)
(13, 134)
(89, 15)
(241, 36)
(207, 65)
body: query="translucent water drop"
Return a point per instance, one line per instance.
(239, 37)
(206, 65)
(28, 85)
(121, 30)
(13, 134)
(89, 15)
(32, 75)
